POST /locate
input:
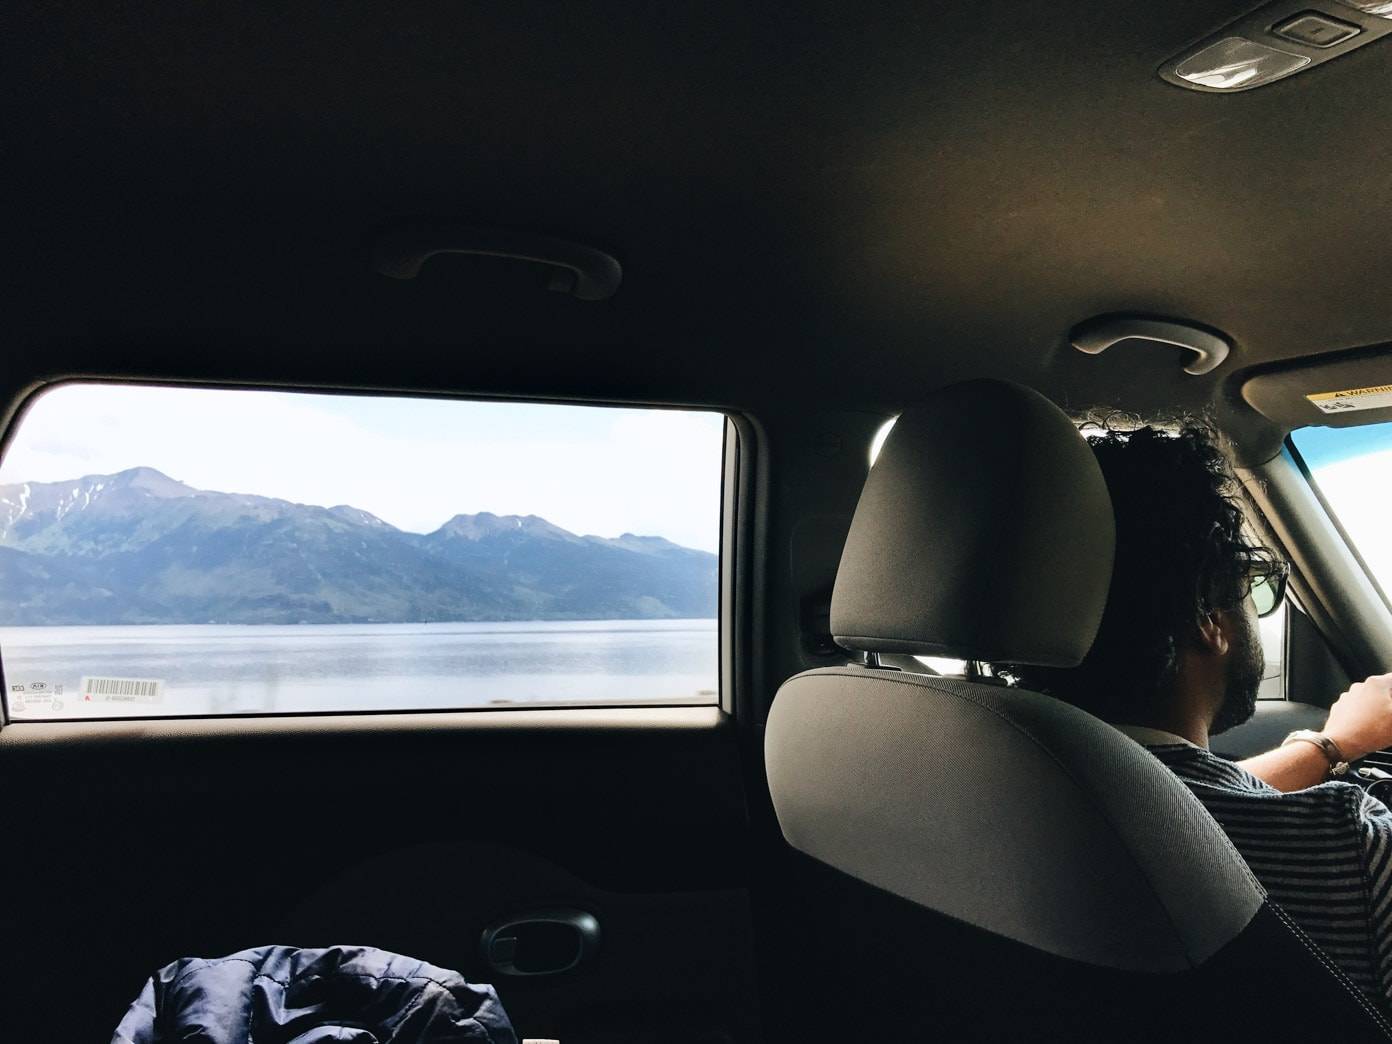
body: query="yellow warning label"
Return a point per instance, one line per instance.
(1375, 398)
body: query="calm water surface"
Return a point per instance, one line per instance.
(214, 669)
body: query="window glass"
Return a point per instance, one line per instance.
(1273, 639)
(944, 665)
(1352, 468)
(180, 551)
(878, 441)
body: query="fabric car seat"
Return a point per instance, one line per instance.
(976, 862)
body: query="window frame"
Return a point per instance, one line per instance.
(733, 524)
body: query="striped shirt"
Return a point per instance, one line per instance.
(1324, 856)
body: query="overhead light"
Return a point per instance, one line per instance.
(1277, 40)
(1235, 63)
(1377, 8)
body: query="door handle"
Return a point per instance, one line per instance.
(542, 942)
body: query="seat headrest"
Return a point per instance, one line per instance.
(984, 532)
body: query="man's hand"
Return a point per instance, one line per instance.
(1360, 721)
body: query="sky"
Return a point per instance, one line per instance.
(1353, 469)
(1320, 447)
(415, 463)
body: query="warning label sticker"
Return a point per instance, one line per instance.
(1374, 398)
(35, 697)
(121, 690)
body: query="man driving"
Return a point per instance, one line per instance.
(1178, 659)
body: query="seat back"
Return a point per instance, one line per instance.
(1006, 810)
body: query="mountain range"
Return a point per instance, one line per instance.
(139, 547)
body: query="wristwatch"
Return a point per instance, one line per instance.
(1338, 764)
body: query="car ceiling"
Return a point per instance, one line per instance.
(846, 203)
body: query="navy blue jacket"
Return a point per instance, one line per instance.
(342, 994)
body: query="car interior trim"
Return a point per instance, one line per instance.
(386, 723)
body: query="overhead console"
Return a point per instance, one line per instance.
(1277, 40)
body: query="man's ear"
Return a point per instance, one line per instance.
(1213, 634)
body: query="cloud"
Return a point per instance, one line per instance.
(413, 462)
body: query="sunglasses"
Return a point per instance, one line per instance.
(1268, 588)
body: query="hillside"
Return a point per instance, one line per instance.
(139, 547)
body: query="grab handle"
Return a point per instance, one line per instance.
(583, 272)
(1097, 335)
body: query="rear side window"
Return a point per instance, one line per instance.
(194, 551)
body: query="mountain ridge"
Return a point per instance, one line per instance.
(140, 547)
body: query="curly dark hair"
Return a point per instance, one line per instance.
(1182, 552)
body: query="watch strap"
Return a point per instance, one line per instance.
(1338, 764)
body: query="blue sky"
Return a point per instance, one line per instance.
(1352, 467)
(1321, 447)
(413, 462)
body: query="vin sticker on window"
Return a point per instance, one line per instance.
(1374, 398)
(121, 690)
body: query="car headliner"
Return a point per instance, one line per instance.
(845, 203)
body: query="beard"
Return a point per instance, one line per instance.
(1246, 665)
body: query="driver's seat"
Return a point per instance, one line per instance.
(975, 862)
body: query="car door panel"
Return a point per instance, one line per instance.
(135, 843)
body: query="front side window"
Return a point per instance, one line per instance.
(195, 551)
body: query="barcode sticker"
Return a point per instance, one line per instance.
(121, 690)
(1374, 398)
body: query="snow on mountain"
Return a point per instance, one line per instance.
(36, 502)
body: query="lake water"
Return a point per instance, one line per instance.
(85, 672)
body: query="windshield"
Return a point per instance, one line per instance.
(1352, 469)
